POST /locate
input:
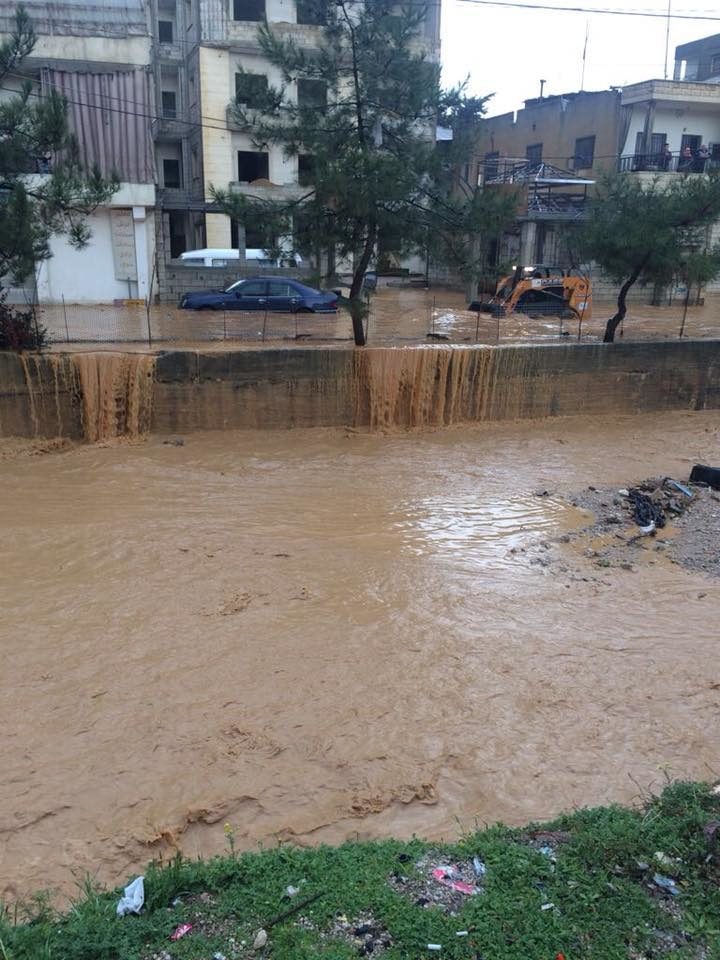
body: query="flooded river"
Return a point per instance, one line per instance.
(316, 635)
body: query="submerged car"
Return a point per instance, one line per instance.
(263, 293)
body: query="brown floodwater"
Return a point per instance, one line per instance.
(398, 315)
(320, 634)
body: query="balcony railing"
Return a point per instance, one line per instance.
(666, 163)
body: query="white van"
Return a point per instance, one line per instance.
(217, 257)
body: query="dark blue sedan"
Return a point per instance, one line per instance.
(277, 294)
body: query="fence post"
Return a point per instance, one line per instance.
(224, 324)
(295, 313)
(67, 332)
(147, 317)
(477, 327)
(264, 324)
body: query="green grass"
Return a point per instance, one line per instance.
(603, 906)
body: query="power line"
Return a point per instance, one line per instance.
(587, 10)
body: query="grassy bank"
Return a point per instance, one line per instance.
(604, 883)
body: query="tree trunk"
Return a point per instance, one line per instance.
(615, 321)
(357, 307)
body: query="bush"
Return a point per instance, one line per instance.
(19, 329)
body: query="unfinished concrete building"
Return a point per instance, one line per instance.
(98, 57)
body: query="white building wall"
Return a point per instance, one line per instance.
(88, 275)
(676, 120)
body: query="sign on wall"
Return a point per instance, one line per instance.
(122, 231)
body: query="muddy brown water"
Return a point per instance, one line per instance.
(398, 315)
(317, 635)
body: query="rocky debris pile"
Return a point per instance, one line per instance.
(364, 933)
(656, 518)
(435, 881)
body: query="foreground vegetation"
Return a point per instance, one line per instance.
(604, 883)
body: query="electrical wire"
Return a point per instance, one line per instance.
(512, 4)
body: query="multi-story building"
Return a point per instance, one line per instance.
(553, 150)
(99, 58)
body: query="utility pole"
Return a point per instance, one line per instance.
(667, 38)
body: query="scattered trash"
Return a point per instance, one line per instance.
(292, 891)
(445, 876)
(547, 851)
(219, 956)
(666, 883)
(133, 897)
(648, 530)
(181, 931)
(663, 859)
(430, 882)
(175, 442)
(462, 933)
(645, 511)
(680, 487)
(479, 867)
(547, 906)
(368, 936)
(716, 789)
(260, 940)
(624, 492)
(434, 946)
(709, 475)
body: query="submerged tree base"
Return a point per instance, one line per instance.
(604, 883)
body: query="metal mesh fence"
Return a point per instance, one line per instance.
(395, 317)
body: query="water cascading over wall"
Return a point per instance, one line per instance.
(91, 396)
(97, 396)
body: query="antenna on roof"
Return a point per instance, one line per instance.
(667, 39)
(542, 87)
(584, 56)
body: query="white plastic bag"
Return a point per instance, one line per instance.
(133, 899)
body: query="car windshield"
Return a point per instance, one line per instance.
(234, 287)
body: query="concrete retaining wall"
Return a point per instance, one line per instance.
(277, 388)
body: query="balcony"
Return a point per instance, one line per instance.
(672, 91)
(266, 190)
(169, 128)
(670, 163)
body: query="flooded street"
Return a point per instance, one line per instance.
(398, 315)
(322, 634)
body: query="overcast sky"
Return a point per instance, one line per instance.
(507, 52)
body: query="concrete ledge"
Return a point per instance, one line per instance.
(403, 386)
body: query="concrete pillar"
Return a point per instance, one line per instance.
(142, 252)
(217, 227)
(528, 240)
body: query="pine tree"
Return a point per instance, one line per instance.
(365, 128)
(650, 231)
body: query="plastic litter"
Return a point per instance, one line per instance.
(181, 931)
(663, 859)
(444, 875)
(479, 867)
(648, 530)
(645, 511)
(666, 883)
(434, 946)
(462, 933)
(260, 940)
(680, 487)
(292, 891)
(133, 897)
(716, 789)
(547, 906)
